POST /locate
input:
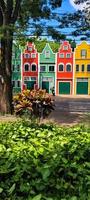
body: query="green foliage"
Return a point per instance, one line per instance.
(44, 162)
(41, 44)
(34, 103)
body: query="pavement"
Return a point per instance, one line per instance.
(70, 110)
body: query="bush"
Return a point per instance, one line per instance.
(44, 162)
(34, 103)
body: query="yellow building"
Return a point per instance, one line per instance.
(82, 69)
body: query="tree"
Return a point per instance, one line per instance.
(16, 13)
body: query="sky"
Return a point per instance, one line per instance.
(67, 6)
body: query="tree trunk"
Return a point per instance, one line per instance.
(6, 106)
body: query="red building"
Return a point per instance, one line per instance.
(64, 69)
(30, 67)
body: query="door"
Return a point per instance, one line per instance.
(64, 87)
(30, 84)
(45, 85)
(82, 86)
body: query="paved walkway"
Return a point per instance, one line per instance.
(71, 110)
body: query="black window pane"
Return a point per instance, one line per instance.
(42, 68)
(68, 68)
(77, 68)
(18, 68)
(13, 83)
(88, 68)
(33, 67)
(13, 68)
(18, 83)
(60, 67)
(26, 67)
(51, 68)
(82, 68)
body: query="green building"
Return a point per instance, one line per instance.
(16, 68)
(47, 69)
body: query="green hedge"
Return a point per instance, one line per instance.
(44, 162)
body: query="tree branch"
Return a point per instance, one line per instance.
(1, 17)
(9, 8)
(2, 5)
(16, 11)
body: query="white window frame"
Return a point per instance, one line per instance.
(75, 68)
(17, 83)
(63, 67)
(29, 48)
(24, 67)
(50, 66)
(61, 54)
(65, 47)
(33, 54)
(70, 65)
(31, 67)
(84, 56)
(42, 66)
(68, 54)
(26, 54)
(48, 54)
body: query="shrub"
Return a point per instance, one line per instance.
(35, 103)
(44, 162)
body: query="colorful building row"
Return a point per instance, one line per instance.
(67, 71)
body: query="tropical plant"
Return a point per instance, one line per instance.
(34, 103)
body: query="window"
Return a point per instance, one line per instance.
(88, 68)
(26, 55)
(33, 78)
(13, 83)
(65, 47)
(33, 55)
(18, 68)
(47, 54)
(61, 55)
(33, 67)
(29, 48)
(51, 68)
(82, 69)
(26, 78)
(68, 55)
(42, 68)
(26, 67)
(77, 68)
(18, 84)
(61, 67)
(13, 68)
(83, 53)
(68, 68)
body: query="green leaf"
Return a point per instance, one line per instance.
(12, 188)
(37, 197)
(73, 198)
(1, 189)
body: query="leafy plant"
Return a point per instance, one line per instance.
(35, 103)
(44, 162)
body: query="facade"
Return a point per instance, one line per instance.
(82, 69)
(29, 67)
(47, 69)
(64, 69)
(16, 68)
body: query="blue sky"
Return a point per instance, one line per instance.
(65, 8)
